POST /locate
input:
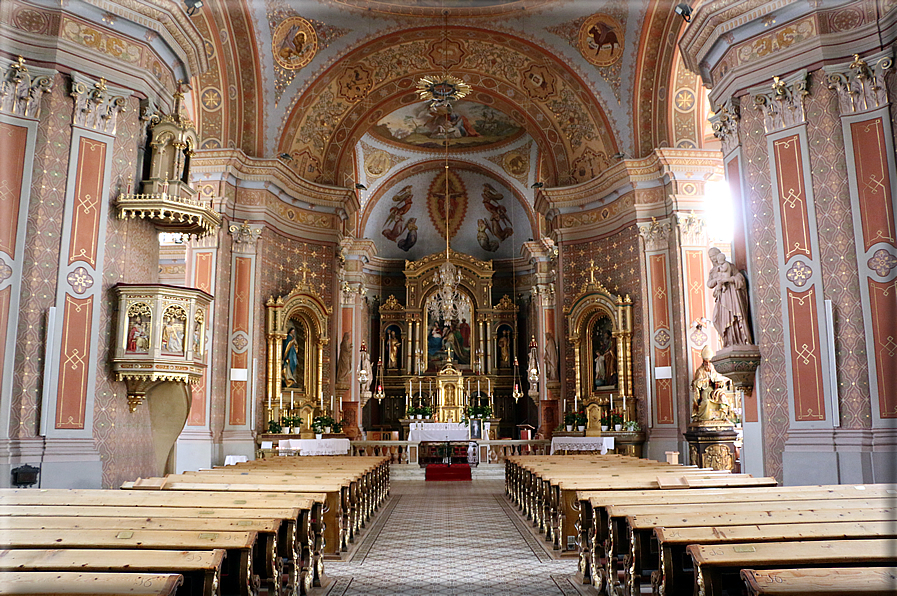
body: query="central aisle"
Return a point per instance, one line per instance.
(459, 538)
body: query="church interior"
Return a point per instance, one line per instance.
(609, 245)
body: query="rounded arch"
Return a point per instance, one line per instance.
(532, 86)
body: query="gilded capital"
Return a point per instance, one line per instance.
(22, 87)
(97, 106)
(656, 234)
(783, 105)
(860, 85)
(725, 122)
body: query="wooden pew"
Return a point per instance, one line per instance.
(673, 577)
(297, 538)
(98, 584)
(237, 574)
(201, 569)
(717, 566)
(839, 581)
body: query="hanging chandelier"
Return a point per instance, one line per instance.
(446, 300)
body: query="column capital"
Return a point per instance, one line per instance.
(692, 229)
(783, 105)
(655, 233)
(97, 105)
(22, 87)
(725, 123)
(245, 237)
(860, 84)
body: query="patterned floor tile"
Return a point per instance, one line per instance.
(451, 539)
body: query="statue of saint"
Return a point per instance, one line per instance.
(710, 400)
(730, 313)
(392, 348)
(366, 366)
(551, 357)
(504, 349)
(344, 360)
(290, 362)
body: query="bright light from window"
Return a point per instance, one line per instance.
(719, 212)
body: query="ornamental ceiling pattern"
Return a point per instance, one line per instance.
(517, 79)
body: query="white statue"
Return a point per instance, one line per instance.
(551, 357)
(730, 314)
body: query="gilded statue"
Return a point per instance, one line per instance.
(504, 349)
(730, 313)
(711, 390)
(392, 345)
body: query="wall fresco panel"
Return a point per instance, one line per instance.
(806, 357)
(792, 197)
(238, 392)
(659, 292)
(87, 198)
(663, 389)
(14, 140)
(694, 268)
(883, 302)
(873, 182)
(74, 363)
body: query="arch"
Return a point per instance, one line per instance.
(555, 105)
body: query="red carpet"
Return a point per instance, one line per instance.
(444, 472)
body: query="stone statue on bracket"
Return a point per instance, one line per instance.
(711, 393)
(344, 360)
(551, 357)
(730, 311)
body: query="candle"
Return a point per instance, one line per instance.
(291, 400)
(322, 401)
(331, 403)
(576, 402)
(281, 401)
(611, 401)
(563, 405)
(624, 403)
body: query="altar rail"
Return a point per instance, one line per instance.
(407, 452)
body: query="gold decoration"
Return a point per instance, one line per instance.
(601, 39)
(505, 303)
(392, 304)
(295, 43)
(442, 89)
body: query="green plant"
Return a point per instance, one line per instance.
(321, 422)
(426, 411)
(570, 419)
(274, 427)
(631, 426)
(294, 421)
(581, 418)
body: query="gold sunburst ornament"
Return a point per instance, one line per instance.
(442, 89)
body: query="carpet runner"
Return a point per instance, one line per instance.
(444, 472)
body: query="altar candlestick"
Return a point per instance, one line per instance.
(611, 401)
(291, 400)
(576, 402)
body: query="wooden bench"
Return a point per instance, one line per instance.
(847, 581)
(237, 573)
(201, 569)
(717, 566)
(675, 570)
(99, 584)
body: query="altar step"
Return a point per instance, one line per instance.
(400, 472)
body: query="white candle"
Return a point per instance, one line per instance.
(576, 402)
(611, 401)
(331, 403)
(291, 400)
(281, 401)
(624, 403)
(322, 402)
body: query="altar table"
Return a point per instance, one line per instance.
(437, 431)
(581, 444)
(315, 446)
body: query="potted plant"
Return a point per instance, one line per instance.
(616, 420)
(321, 424)
(426, 411)
(569, 421)
(581, 420)
(631, 426)
(274, 427)
(486, 411)
(605, 422)
(296, 425)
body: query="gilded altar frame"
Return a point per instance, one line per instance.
(305, 307)
(593, 302)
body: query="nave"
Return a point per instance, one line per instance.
(450, 538)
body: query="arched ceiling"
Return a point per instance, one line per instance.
(310, 78)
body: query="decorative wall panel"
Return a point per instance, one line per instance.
(883, 302)
(792, 197)
(74, 363)
(874, 188)
(14, 141)
(807, 366)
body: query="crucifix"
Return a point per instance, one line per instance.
(449, 350)
(592, 269)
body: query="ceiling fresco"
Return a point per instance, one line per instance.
(485, 218)
(468, 125)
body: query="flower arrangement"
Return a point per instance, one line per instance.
(570, 419)
(290, 421)
(612, 418)
(631, 426)
(274, 427)
(581, 418)
(479, 411)
(321, 422)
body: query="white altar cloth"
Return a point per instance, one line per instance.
(581, 444)
(437, 431)
(315, 446)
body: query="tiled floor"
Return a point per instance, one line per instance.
(458, 538)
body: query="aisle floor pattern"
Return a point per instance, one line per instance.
(450, 538)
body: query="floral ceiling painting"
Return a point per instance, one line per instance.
(468, 125)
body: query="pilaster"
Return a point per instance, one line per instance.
(237, 437)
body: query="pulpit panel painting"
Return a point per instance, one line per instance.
(139, 319)
(604, 353)
(449, 336)
(293, 359)
(173, 323)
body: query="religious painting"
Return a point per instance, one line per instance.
(139, 319)
(604, 354)
(601, 40)
(476, 429)
(292, 362)
(393, 347)
(174, 321)
(449, 338)
(492, 231)
(504, 339)
(198, 333)
(295, 43)
(467, 124)
(396, 228)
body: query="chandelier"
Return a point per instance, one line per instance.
(445, 301)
